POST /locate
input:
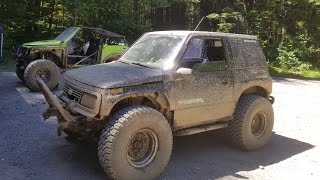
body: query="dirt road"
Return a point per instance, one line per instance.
(30, 148)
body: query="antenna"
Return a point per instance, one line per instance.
(199, 23)
(194, 30)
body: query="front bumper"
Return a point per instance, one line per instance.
(77, 124)
(54, 105)
(55, 108)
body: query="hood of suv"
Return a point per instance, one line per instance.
(114, 75)
(43, 43)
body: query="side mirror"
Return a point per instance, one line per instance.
(184, 71)
(184, 74)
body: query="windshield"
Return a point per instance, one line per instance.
(66, 34)
(154, 50)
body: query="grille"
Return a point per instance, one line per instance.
(73, 93)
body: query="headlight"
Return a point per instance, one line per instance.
(88, 100)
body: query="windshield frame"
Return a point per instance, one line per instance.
(171, 60)
(66, 36)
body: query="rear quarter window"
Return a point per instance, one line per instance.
(247, 53)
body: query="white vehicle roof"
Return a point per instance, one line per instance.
(205, 33)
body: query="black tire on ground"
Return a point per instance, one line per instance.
(252, 125)
(46, 69)
(135, 144)
(20, 74)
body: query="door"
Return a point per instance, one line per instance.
(113, 46)
(205, 95)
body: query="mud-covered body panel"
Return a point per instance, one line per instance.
(202, 97)
(155, 90)
(115, 74)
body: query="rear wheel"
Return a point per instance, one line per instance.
(47, 70)
(252, 125)
(135, 144)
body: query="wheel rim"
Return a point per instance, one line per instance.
(44, 74)
(142, 148)
(258, 124)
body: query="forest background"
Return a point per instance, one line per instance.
(289, 30)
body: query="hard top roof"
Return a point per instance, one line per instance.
(102, 31)
(205, 33)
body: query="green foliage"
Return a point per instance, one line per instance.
(304, 74)
(227, 21)
(289, 31)
(288, 60)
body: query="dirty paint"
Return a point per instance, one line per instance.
(202, 95)
(191, 101)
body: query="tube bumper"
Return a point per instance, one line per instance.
(55, 108)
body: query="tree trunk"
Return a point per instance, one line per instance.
(53, 3)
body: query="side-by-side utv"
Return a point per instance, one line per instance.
(75, 47)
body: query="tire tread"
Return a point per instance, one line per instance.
(110, 133)
(235, 127)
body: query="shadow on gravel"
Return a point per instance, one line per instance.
(200, 156)
(204, 156)
(29, 144)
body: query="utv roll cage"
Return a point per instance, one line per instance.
(93, 48)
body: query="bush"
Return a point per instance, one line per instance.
(293, 54)
(288, 60)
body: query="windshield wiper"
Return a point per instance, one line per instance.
(124, 62)
(139, 64)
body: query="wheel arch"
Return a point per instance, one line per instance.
(111, 57)
(47, 55)
(258, 90)
(157, 101)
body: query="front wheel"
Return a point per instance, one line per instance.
(20, 74)
(47, 70)
(135, 144)
(252, 125)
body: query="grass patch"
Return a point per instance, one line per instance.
(8, 64)
(305, 74)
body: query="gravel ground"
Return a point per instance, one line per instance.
(31, 149)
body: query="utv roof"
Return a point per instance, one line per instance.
(102, 31)
(205, 33)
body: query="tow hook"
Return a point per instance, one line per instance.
(271, 99)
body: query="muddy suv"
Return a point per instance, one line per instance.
(170, 83)
(75, 47)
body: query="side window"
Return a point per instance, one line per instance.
(214, 50)
(115, 41)
(214, 57)
(193, 54)
(247, 53)
(194, 49)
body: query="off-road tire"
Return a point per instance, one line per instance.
(118, 132)
(239, 131)
(37, 65)
(20, 74)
